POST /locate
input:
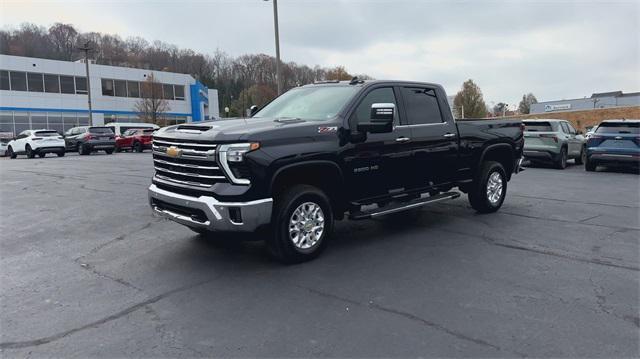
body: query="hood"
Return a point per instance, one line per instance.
(233, 129)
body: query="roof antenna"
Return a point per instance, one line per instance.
(354, 81)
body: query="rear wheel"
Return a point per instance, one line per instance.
(303, 220)
(109, 151)
(10, 153)
(117, 149)
(41, 155)
(82, 150)
(29, 151)
(561, 162)
(137, 147)
(583, 156)
(488, 191)
(60, 154)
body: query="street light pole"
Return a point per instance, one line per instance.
(86, 48)
(277, 35)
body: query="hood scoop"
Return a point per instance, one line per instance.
(193, 129)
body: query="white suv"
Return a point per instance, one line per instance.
(36, 142)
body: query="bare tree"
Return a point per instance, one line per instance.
(152, 106)
(64, 38)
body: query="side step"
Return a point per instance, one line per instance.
(399, 207)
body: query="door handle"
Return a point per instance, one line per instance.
(402, 139)
(449, 135)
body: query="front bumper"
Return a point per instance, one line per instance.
(208, 213)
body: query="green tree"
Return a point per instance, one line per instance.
(469, 101)
(525, 104)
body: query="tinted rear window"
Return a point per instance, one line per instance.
(538, 126)
(100, 130)
(47, 133)
(619, 127)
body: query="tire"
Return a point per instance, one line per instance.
(60, 154)
(29, 151)
(292, 204)
(82, 150)
(41, 155)
(117, 149)
(137, 147)
(561, 162)
(109, 151)
(480, 197)
(583, 156)
(10, 153)
(589, 166)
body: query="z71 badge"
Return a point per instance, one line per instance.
(327, 129)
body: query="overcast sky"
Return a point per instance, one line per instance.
(555, 49)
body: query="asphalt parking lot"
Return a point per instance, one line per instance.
(86, 271)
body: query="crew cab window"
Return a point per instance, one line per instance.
(381, 95)
(421, 106)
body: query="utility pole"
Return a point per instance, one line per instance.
(277, 35)
(462, 108)
(86, 48)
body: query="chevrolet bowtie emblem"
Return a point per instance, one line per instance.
(174, 151)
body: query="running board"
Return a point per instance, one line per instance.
(399, 207)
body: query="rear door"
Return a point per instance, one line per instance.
(379, 165)
(574, 145)
(434, 139)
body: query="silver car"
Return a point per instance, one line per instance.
(554, 141)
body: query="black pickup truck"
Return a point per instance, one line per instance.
(325, 152)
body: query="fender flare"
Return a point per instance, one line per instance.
(306, 163)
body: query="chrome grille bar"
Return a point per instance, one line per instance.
(188, 174)
(187, 165)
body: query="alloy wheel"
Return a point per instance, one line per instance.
(494, 188)
(306, 225)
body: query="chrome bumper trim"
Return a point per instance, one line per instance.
(254, 213)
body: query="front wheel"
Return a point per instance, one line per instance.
(137, 147)
(41, 155)
(60, 154)
(109, 151)
(583, 156)
(29, 151)
(10, 153)
(561, 162)
(302, 221)
(589, 166)
(82, 150)
(488, 191)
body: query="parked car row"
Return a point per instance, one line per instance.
(82, 139)
(611, 143)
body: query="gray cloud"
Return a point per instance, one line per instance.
(554, 49)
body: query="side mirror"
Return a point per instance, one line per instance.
(252, 110)
(579, 132)
(381, 119)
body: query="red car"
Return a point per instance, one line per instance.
(136, 139)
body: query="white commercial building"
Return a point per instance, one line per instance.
(39, 93)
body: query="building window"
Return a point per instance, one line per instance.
(107, 87)
(38, 120)
(120, 88)
(55, 122)
(134, 88)
(67, 84)
(179, 92)
(83, 120)
(167, 92)
(6, 121)
(18, 81)
(35, 82)
(81, 85)
(69, 120)
(51, 83)
(4, 80)
(21, 121)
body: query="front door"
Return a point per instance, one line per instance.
(434, 140)
(377, 166)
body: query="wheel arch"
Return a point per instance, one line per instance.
(501, 153)
(323, 174)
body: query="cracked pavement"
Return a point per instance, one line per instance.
(86, 271)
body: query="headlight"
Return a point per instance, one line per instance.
(234, 153)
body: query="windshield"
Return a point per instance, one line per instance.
(537, 126)
(619, 127)
(309, 103)
(47, 133)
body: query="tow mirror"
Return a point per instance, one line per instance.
(381, 119)
(252, 110)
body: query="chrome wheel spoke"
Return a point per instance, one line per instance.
(306, 225)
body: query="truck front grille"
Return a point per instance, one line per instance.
(186, 162)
